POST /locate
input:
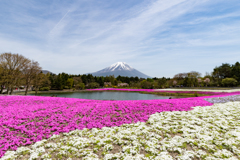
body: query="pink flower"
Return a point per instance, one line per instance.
(26, 116)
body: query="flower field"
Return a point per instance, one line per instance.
(67, 128)
(207, 92)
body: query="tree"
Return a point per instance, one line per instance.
(115, 82)
(93, 85)
(59, 82)
(80, 86)
(45, 82)
(69, 83)
(29, 72)
(84, 79)
(236, 71)
(207, 81)
(229, 82)
(146, 84)
(180, 76)
(136, 79)
(2, 79)
(77, 80)
(162, 82)
(174, 83)
(13, 64)
(223, 71)
(194, 74)
(101, 81)
(38, 80)
(90, 78)
(199, 81)
(150, 80)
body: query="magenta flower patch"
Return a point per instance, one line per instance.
(153, 90)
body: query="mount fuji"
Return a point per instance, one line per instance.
(120, 68)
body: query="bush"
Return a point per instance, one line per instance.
(146, 85)
(66, 87)
(44, 89)
(195, 94)
(69, 83)
(80, 86)
(229, 82)
(93, 85)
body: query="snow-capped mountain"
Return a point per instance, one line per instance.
(120, 68)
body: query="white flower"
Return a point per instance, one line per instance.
(54, 137)
(34, 155)
(164, 156)
(38, 144)
(223, 154)
(210, 128)
(20, 150)
(9, 155)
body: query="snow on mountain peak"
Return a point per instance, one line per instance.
(120, 66)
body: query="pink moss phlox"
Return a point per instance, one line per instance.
(28, 119)
(153, 90)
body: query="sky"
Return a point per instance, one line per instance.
(157, 37)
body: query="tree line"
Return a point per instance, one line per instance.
(225, 75)
(17, 71)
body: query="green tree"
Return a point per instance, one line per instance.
(150, 80)
(90, 78)
(136, 79)
(64, 78)
(162, 82)
(101, 81)
(80, 86)
(229, 82)
(93, 85)
(223, 71)
(69, 82)
(84, 79)
(146, 84)
(236, 71)
(59, 82)
(115, 82)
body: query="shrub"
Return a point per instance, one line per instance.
(66, 87)
(195, 94)
(44, 89)
(80, 86)
(229, 82)
(93, 85)
(146, 85)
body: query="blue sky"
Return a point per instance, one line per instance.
(157, 37)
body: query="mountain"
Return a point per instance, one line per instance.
(46, 72)
(120, 68)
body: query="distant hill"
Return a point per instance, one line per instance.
(46, 71)
(122, 69)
